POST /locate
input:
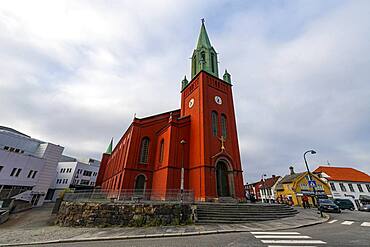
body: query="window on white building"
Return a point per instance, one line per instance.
(350, 186)
(87, 173)
(360, 188)
(84, 182)
(332, 186)
(1, 168)
(13, 171)
(34, 174)
(29, 174)
(367, 185)
(342, 187)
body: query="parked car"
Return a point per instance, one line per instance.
(365, 207)
(344, 204)
(327, 205)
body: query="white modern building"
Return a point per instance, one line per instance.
(77, 174)
(345, 183)
(27, 166)
(267, 188)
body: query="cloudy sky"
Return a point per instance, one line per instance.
(75, 72)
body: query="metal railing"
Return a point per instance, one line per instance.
(123, 196)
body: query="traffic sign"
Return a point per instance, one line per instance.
(312, 183)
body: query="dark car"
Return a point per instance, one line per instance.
(344, 204)
(327, 205)
(365, 207)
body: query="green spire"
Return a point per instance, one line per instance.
(203, 40)
(227, 77)
(110, 147)
(184, 83)
(204, 56)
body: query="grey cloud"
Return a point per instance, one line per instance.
(300, 70)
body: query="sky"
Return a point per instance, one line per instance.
(75, 72)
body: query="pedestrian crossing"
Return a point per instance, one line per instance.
(349, 222)
(287, 239)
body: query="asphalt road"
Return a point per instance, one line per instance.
(341, 230)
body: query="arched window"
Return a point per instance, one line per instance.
(161, 150)
(214, 123)
(213, 62)
(223, 126)
(144, 151)
(203, 56)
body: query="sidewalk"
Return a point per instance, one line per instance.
(35, 229)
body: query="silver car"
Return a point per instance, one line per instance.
(365, 207)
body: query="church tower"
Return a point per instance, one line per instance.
(214, 166)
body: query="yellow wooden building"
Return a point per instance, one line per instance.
(292, 188)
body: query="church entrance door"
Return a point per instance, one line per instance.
(140, 184)
(223, 189)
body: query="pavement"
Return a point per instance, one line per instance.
(330, 233)
(34, 227)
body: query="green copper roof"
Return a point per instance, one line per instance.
(204, 56)
(110, 147)
(203, 40)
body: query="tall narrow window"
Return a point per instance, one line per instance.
(359, 186)
(342, 187)
(13, 171)
(19, 171)
(333, 187)
(350, 186)
(144, 151)
(194, 65)
(214, 123)
(29, 174)
(203, 56)
(223, 126)
(213, 62)
(161, 150)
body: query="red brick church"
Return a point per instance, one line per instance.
(198, 141)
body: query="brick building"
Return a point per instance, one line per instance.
(198, 141)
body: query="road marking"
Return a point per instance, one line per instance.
(284, 236)
(293, 242)
(365, 224)
(332, 221)
(291, 246)
(347, 222)
(276, 233)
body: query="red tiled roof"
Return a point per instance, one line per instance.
(343, 174)
(269, 182)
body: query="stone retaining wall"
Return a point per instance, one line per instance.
(116, 214)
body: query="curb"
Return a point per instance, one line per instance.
(162, 235)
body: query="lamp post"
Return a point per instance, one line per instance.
(182, 142)
(310, 178)
(263, 185)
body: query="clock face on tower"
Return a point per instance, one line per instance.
(218, 100)
(191, 103)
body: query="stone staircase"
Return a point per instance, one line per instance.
(241, 212)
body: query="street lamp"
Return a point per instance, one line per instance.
(182, 142)
(263, 185)
(310, 178)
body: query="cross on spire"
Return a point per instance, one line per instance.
(202, 20)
